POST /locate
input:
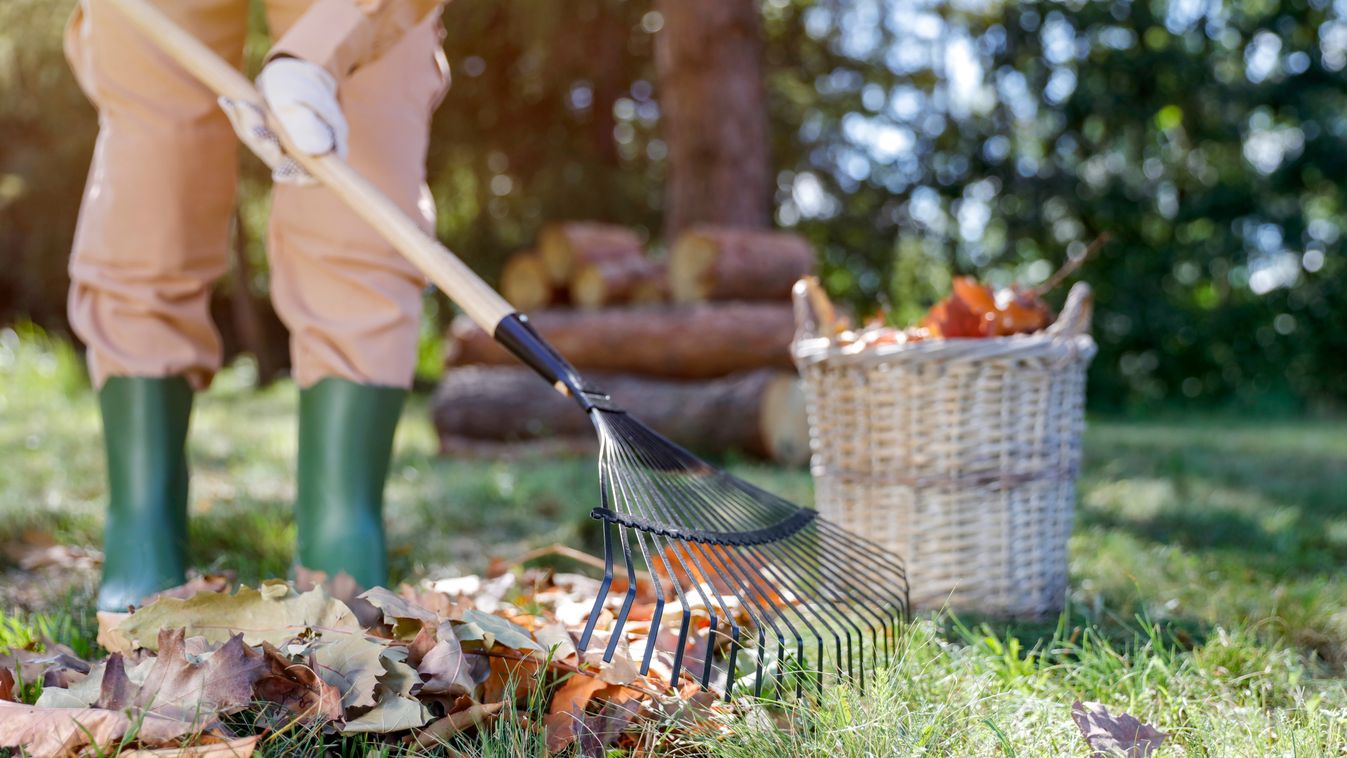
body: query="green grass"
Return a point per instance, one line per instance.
(1208, 592)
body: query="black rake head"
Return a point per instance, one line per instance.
(712, 566)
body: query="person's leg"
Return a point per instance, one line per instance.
(152, 236)
(353, 307)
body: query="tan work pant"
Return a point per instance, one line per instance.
(153, 230)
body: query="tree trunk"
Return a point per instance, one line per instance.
(714, 113)
(759, 412)
(718, 263)
(688, 342)
(564, 246)
(635, 280)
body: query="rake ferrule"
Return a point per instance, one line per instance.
(518, 336)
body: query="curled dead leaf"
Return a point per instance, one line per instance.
(242, 747)
(466, 714)
(445, 671)
(1110, 736)
(296, 688)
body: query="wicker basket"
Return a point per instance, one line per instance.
(960, 455)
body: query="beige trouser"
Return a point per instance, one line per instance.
(154, 227)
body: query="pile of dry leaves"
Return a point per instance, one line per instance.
(418, 665)
(972, 310)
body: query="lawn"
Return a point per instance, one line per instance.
(1208, 594)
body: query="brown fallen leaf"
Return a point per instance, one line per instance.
(405, 617)
(181, 690)
(622, 669)
(6, 685)
(565, 716)
(343, 587)
(602, 729)
(444, 670)
(273, 613)
(31, 557)
(352, 664)
(32, 666)
(59, 731)
(296, 688)
(110, 636)
(1110, 736)
(393, 713)
(438, 603)
(195, 585)
(469, 715)
(510, 679)
(574, 694)
(560, 731)
(422, 643)
(51, 732)
(242, 747)
(116, 691)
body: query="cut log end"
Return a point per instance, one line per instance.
(565, 246)
(636, 280)
(718, 263)
(690, 269)
(524, 282)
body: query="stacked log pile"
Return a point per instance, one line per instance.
(697, 346)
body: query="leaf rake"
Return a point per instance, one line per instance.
(758, 574)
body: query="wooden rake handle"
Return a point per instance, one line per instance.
(482, 304)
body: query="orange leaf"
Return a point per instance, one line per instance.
(1021, 313)
(510, 680)
(574, 694)
(951, 318)
(979, 298)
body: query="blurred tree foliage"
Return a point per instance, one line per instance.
(1208, 137)
(915, 139)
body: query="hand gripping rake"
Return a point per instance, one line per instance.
(800, 595)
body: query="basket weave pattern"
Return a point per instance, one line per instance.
(960, 455)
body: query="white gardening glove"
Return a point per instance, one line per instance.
(302, 98)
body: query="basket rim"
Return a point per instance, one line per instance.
(815, 350)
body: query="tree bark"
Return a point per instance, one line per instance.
(635, 280)
(564, 246)
(687, 342)
(709, 60)
(759, 412)
(719, 263)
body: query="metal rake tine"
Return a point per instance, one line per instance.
(744, 576)
(721, 520)
(856, 655)
(621, 619)
(727, 564)
(603, 588)
(685, 626)
(708, 561)
(846, 546)
(727, 483)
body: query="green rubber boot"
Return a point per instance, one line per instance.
(345, 442)
(145, 538)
